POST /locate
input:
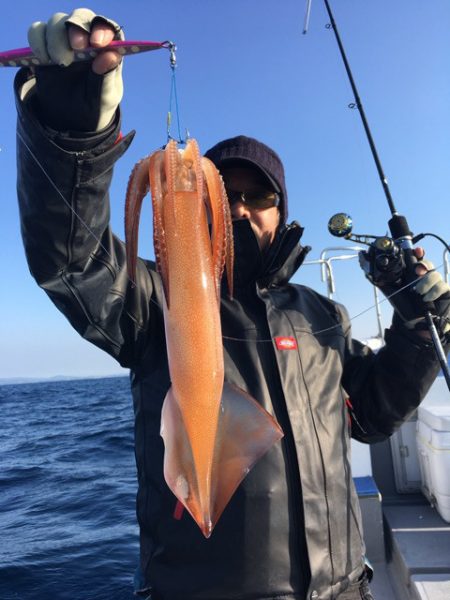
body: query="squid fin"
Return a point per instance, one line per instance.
(245, 433)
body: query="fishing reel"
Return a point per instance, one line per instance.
(389, 264)
(384, 260)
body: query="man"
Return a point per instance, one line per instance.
(292, 530)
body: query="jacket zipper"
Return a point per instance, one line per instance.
(281, 413)
(321, 461)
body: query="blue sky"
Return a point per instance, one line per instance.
(245, 67)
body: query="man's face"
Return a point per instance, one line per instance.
(264, 221)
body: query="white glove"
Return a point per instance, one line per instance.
(432, 288)
(78, 96)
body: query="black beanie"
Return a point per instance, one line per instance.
(242, 148)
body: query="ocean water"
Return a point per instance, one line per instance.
(67, 491)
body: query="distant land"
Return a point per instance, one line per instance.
(19, 380)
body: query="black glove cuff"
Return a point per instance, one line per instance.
(68, 98)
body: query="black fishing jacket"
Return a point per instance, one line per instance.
(293, 528)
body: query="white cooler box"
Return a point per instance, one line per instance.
(433, 443)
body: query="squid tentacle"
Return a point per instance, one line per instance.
(218, 206)
(137, 189)
(155, 172)
(229, 251)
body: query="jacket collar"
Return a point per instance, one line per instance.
(276, 266)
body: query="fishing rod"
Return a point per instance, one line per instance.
(25, 57)
(387, 259)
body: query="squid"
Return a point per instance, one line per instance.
(213, 432)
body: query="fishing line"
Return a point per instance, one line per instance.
(134, 284)
(345, 322)
(174, 96)
(61, 195)
(74, 212)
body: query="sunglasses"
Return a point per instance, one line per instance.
(254, 199)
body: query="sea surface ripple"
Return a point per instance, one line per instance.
(67, 491)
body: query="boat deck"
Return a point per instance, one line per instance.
(414, 563)
(418, 545)
(411, 549)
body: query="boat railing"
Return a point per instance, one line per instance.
(327, 275)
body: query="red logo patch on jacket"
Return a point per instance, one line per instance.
(286, 343)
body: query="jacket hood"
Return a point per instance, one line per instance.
(277, 265)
